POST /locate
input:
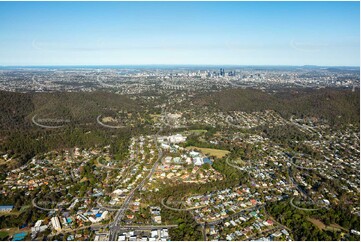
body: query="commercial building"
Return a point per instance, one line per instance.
(56, 223)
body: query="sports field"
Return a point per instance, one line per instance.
(208, 151)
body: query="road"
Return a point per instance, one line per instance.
(45, 126)
(239, 168)
(106, 208)
(115, 226)
(146, 227)
(204, 232)
(304, 209)
(68, 230)
(41, 208)
(108, 126)
(234, 166)
(305, 127)
(297, 186)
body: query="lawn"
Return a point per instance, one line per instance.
(208, 151)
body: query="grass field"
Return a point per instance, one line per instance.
(212, 152)
(317, 223)
(320, 225)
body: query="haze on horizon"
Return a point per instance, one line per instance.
(195, 33)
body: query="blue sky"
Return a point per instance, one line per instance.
(135, 33)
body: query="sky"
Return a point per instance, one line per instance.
(194, 33)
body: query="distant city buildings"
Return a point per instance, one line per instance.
(140, 80)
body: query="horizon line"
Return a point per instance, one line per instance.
(240, 65)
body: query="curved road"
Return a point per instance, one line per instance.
(45, 126)
(234, 166)
(41, 208)
(239, 168)
(108, 126)
(304, 209)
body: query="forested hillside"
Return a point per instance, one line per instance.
(335, 105)
(80, 106)
(21, 139)
(14, 108)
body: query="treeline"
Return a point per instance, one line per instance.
(337, 106)
(302, 229)
(23, 145)
(81, 107)
(17, 109)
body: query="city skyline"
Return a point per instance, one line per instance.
(174, 33)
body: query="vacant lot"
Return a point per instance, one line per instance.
(211, 152)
